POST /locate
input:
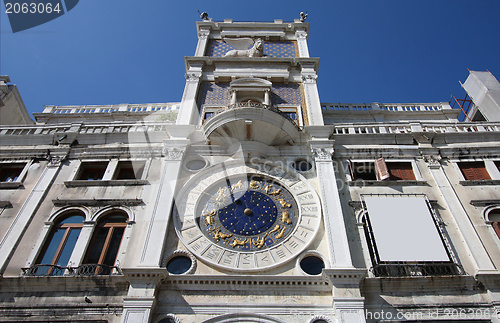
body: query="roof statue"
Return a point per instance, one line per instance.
(303, 16)
(243, 48)
(203, 15)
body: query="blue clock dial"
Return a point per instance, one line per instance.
(253, 213)
(248, 214)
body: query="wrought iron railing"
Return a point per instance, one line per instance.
(44, 270)
(82, 270)
(410, 269)
(95, 269)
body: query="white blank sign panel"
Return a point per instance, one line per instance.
(404, 230)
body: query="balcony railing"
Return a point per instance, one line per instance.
(415, 269)
(82, 270)
(258, 106)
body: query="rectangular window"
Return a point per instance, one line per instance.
(382, 170)
(129, 170)
(92, 171)
(11, 172)
(363, 171)
(474, 171)
(401, 171)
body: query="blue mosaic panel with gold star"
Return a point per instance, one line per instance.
(286, 94)
(218, 48)
(215, 94)
(218, 94)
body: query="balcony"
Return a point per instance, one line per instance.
(252, 121)
(415, 269)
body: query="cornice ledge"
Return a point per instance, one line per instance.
(344, 275)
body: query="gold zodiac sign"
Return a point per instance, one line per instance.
(219, 235)
(276, 228)
(239, 243)
(237, 185)
(275, 192)
(281, 234)
(254, 184)
(268, 188)
(259, 243)
(284, 204)
(221, 194)
(285, 217)
(209, 218)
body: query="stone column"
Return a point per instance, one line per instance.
(313, 104)
(188, 112)
(477, 252)
(301, 36)
(156, 229)
(201, 47)
(333, 217)
(28, 210)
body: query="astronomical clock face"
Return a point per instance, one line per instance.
(241, 218)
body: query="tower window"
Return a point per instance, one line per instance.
(474, 171)
(11, 172)
(129, 170)
(92, 171)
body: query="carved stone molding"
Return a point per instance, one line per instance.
(174, 153)
(55, 161)
(203, 34)
(301, 34)
(193, 77)
(322, 154)
(311, 79)
(433, 161)
(179, 252)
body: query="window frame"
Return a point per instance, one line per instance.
(412, 163)
(22, 175)
(53, 227)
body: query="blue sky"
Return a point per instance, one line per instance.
(125, 51)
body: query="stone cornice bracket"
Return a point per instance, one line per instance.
(56, 160)
(174, 153)
(203, 34)
(322, 154)
(433, 161)
(309, 78)
(301, 34)
(193, 76)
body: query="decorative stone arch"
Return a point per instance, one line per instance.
(492, 216)
(105, 211)
(169, 317)
(68, 209)
(244, 318)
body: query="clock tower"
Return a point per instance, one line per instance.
(257, 229)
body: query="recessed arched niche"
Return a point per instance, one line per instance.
(250, 89)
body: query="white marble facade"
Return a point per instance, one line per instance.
(245, 202)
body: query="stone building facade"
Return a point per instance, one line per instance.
(250, 201)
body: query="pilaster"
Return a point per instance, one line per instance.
(161, 211)
(333, 218)
(311, 94)
(473, 245)
(188, 111)
(28, 209)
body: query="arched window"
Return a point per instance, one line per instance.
(106, 240)
(59, 246)
(494, 217)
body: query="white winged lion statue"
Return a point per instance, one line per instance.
(242, 47)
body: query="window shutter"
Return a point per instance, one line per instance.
(381, 169)
(496, 227)
(474, 171)
(401, 171)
